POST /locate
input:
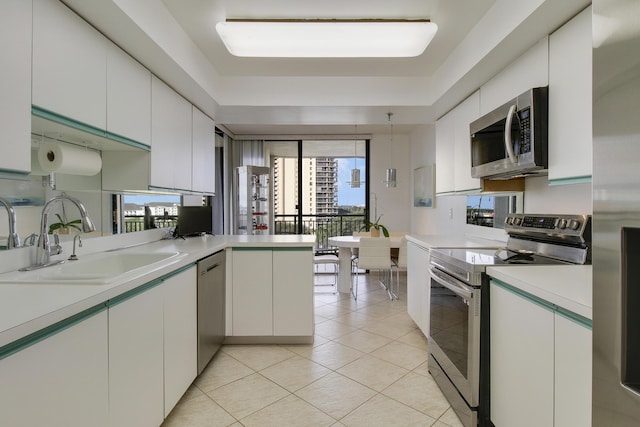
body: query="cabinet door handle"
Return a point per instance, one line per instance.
(211, 268)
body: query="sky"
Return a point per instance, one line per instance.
(348, 196)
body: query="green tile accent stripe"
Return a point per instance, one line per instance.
(75, 124)
(574, 180)
(133, 292)
(15, 175)
(581, 320)
(45, 333)
(293, 248)
(251, 248)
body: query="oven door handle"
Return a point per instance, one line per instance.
(452, 285)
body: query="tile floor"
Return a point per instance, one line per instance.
(366, 367)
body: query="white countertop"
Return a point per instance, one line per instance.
(446, 241)
(27, 308)
(569, 287)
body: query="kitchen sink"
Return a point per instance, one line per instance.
(98, 269)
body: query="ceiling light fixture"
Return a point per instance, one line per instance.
(326, 38)
(390, 174)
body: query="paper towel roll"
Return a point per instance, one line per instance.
(68, 159)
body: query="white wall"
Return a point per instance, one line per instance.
(391, 202)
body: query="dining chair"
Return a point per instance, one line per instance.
(354, 251)
(400, 263)
(373, 255)
(327, 260)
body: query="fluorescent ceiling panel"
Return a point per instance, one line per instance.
(326, 38)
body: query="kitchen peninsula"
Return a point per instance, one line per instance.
(67, 347)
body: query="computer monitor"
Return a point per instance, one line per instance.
(194, 220)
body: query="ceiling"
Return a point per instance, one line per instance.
(176, 40)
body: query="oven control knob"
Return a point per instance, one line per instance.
(562, 224)
(517, 221)
(574, 224)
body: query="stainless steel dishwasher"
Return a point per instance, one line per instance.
(211, 302)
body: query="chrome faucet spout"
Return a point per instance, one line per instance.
(43, 251)
(13, 240)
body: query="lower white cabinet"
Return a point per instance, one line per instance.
(136, 360)
(61, 380)
(272, 291)
(540, 363)
(152, 350)
(418, 285)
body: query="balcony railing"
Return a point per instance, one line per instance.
(136, 222)
(323, 226)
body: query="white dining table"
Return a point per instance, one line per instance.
(344, 245)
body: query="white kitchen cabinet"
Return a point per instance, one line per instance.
(522, 361)
(418, 285)
(570, 100)
(136, 366)
(540, 358)
(204, 153)
(453, 147)
(171, 153)
(15, 85)
(69, 65)
(529, 70)
(572, 373)
(252, 291)
(128, 97)
(465, 113)
(180, 335)
(292, 292)
(445, 153)
(59, 381)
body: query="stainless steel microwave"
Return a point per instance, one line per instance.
(511, 140)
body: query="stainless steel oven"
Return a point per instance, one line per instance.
(459, 335)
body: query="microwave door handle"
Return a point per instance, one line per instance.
(507, 134)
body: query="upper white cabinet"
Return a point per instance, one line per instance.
(453, 150)
(530, 70)
(59, 381)
(69, 64)
(128, 96)
(570, 99)
(171, 154)
(204, 153)
(15, 85)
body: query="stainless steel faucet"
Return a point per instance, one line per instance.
(13, 240)
(43, 251)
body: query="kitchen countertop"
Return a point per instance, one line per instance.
(27, 308)
(567, 286)
(445, 241)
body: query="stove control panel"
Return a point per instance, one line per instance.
(561, 227)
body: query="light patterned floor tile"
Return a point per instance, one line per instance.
(290, 411)
(420, 393)
(295, 373)
(335, 395)
(415, 338)
(258, 357)
(383, 411)
(333, 355)
(247, 395)
(222, 370)
(450, 419)
(423, 369)
(198, 412)
(363, 341)
(355, 319)
(332, 329)
(401, 354)
(373, 372)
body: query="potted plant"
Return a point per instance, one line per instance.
(376, 227)
(62, 227)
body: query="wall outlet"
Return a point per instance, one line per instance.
(450, 213)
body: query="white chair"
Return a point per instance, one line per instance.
(326, 260)
(400, 262)
(373, 255)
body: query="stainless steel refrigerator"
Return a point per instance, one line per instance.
(616, 213)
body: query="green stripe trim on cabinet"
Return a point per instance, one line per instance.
(573, 180)
(178, 271)
(14, 175)
(63, 120)
(292, 248)
(567, 314)
(127, 141)
(45, 333)
(532, 298)
(251, 248)
(133, 292)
